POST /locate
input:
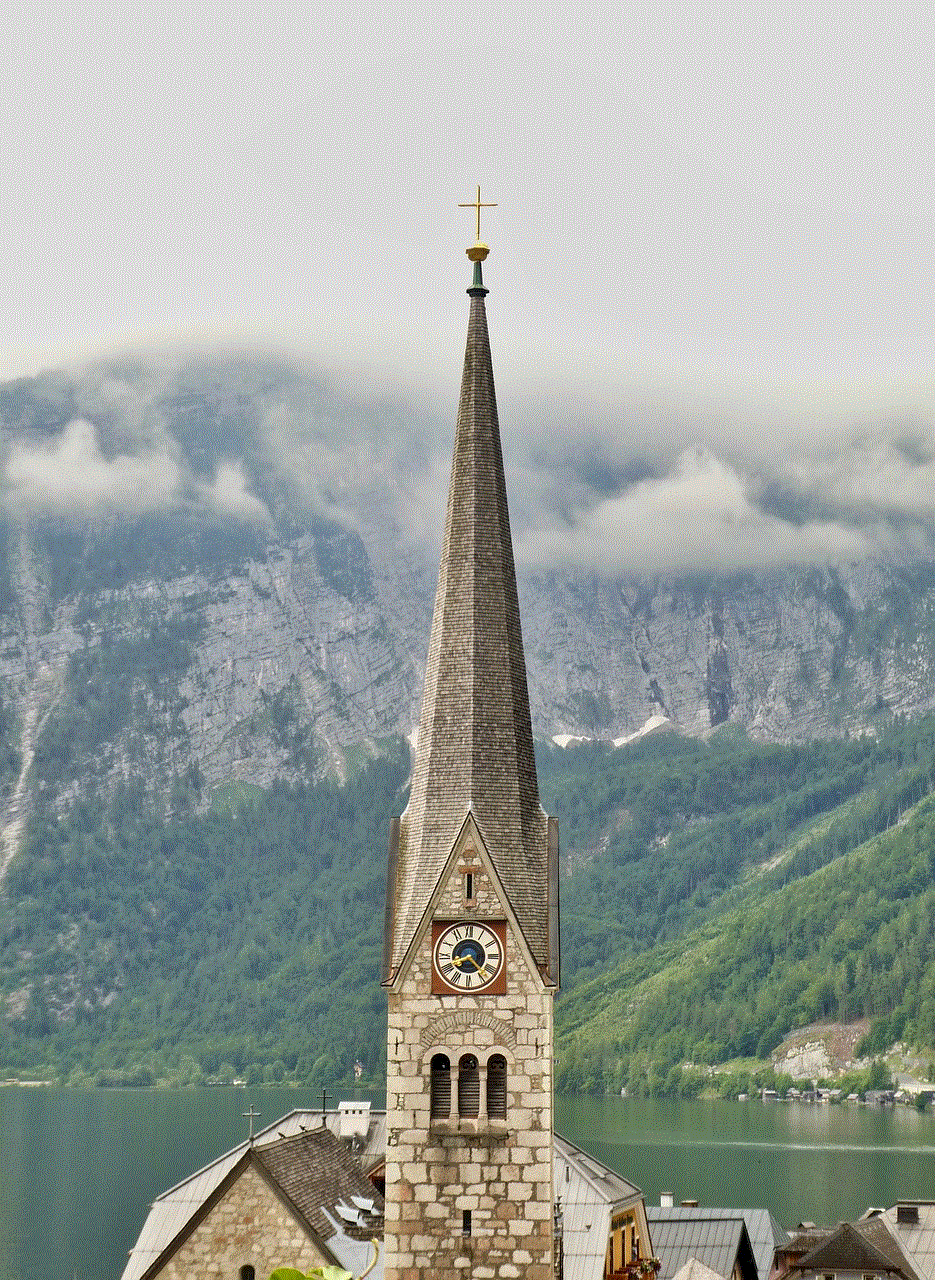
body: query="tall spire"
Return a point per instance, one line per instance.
(475, 750)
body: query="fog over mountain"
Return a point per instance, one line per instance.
(652, 489)
(218, 569)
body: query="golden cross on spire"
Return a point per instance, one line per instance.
(478, 205)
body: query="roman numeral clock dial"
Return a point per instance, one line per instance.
(468, 957)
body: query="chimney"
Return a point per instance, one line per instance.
(353, 1119)
(666, 1200)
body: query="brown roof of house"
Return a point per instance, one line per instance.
(861, 1246)
(318, 1173)
(475, 749)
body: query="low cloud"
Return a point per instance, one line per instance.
(229, 496)
(700, 516)
(69, 475)
(889, 474)
(645, 482)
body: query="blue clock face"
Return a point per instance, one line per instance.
(468, 957)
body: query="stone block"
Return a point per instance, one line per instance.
(534, 1209)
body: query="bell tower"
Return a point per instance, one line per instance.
(471, 947)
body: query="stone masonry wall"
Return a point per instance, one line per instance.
(435, 1169)
(248, 1226)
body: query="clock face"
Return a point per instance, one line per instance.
(467, 957)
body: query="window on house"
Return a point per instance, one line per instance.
(247, 1273)
(496, 1087)
(440, 1087)
(468, 1087)
(465, 1222)
(469, 886)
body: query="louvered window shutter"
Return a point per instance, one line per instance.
(496, 1087)
(468, 1087)
(441, 1087)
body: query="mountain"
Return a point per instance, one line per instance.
(215, 598)
(203, 583)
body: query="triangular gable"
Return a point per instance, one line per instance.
(846, 1250)
(470, 836)
(248, 1160)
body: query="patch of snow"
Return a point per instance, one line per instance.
(563, 739)
(654, 724)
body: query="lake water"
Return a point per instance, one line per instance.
(79, 1169)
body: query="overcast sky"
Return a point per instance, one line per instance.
(712, 259)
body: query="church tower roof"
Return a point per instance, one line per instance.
(475, 748)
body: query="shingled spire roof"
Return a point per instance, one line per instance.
(475, 750)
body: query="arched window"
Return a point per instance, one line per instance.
(247, 1272)
(496, 1087)
(468, 1087)
(441, 1087)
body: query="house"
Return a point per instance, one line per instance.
(296, 1194)
(604, 1228)
(864, 1250)
(912, 1224)
(763, 1231)
(718, 1239)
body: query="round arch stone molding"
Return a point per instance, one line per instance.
(440, 1028)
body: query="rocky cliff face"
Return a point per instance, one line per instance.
(789, 656)
(203, 582)
(289, 655)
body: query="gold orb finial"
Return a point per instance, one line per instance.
(478, 252)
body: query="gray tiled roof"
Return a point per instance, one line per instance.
(867, 1247)
(916, 1238)
(318, 1174)
(716, 1241)
(589, 1193)
(475, 748)
(764, 1231)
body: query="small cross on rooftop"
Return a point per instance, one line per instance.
(251, 1115)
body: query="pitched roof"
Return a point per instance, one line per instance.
(717, 1242)
(589, 1193)
(325, 1184)
(695, 1270)
(917, 1239)
(764, 1231)
(475, 749)
(865, 1246)
(172, 1211)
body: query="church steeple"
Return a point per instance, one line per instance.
(471, 944)
(475, 748)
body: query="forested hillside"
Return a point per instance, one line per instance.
(715, 895)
